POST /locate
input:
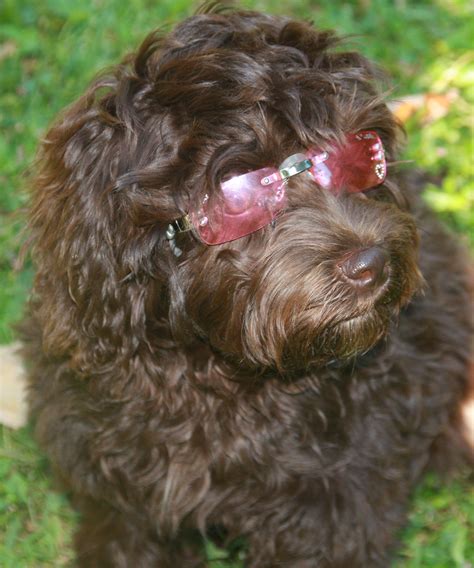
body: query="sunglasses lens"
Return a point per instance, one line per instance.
(246, 205)
(354, 167)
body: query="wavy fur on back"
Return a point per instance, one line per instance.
(243, 389)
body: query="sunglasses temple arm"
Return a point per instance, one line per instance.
(181, 225)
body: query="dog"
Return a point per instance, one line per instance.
(245, 323)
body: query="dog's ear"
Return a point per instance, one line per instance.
(101, 262)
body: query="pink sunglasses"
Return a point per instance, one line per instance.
(253, 200)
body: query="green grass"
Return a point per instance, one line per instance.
(441, 527)
(36, 522)
(49, 51)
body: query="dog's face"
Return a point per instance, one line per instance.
(323, 284)
(225, 94)
(325, 279)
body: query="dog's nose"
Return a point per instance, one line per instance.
(366, 268)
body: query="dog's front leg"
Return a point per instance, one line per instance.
(108, 538)
(120, 525)
(332, 528)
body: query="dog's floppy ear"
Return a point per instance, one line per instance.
(99, 262)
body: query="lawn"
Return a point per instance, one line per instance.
(50, 50)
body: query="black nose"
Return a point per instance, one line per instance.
(366, 268)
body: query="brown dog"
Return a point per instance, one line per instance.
(286, 382)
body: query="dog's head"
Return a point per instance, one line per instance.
(223, 95)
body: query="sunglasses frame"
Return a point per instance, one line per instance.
(263, 192)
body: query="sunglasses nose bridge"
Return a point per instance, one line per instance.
(291, 161)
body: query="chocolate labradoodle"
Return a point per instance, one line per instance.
(244, 322)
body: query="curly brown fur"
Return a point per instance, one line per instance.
(243, 389)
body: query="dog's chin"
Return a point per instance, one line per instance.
(347, 339)
(358, 334)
